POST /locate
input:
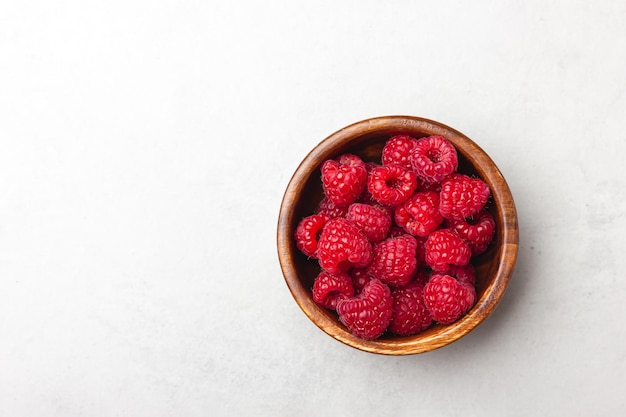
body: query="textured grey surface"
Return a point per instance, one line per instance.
(144, 150)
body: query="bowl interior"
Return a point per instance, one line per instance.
(366, 139)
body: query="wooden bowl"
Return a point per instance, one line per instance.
(366, 139)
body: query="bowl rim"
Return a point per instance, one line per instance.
(503, 201)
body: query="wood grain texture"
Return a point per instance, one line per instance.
(366, 139)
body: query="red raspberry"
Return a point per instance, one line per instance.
(391, 185)
(343, 179)
(328, 289)
(462, 196)
(360, 278)
(448, 299)
(434, 158)
(374, 222)
(307, 233)
(477, 231)
(463, 273)
(368, 314)
(420, 253)
(342, 245)
(394, 260)
(397, 151)
(410, 314)
(331, 209)
(419, 215)
(444, 248)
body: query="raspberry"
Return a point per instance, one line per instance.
(397, 151)
(420, 253)
(329, 208)
(444, 248)
(394, 260)
(463, 273)
(477, 231)
(391, 185)
(374, 222)
(434, 158)
(328, 289)
(410, 314)
(343, 179)
(360, 278)
(462, 196)
(419, 215)
(342, 245)
(307, 233)
(448, 299)
(368, 314)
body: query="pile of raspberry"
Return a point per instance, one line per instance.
(395, 238)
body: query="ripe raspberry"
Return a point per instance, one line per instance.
(420, 253)
(463, 273)
(374, 222)
(434, 158)
(328, 289)
(391, 185)
(478, 231)
(462, 196)
(360, 278)
(394, 260)
(329, 208)
(410, 314)
(368, 314)
(342, 245)
(448, 299)
(397, 151)
(419, 215)
(343, 179)
(307, 233)
(444, 248)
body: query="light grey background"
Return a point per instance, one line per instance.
(144, 150)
